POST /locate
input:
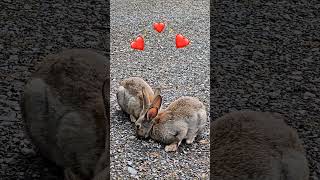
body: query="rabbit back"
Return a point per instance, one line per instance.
(64, 110)
(255, 145)
(185, 108)
(184, 114)
(40, 111)
(130, 97)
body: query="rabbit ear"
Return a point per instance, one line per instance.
(157, 102)
(152, 113)
(157, 91)
(146, 101)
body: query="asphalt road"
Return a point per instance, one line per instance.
(182, 72)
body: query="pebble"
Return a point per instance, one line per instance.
(308, 95)
(302, 111)
(132, 137)
(27, 151)
(132, 171)
(14, 58)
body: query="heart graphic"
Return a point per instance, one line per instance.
(181, 41)
(158, 26)
(138, 43)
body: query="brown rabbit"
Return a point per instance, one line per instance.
(130, 98)
(249, 145)
(64, 108)
(183, 119)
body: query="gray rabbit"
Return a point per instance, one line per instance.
(64, 109)
(249, 145)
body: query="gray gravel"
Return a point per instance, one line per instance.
(29, 31)
(265, 56)
(182, 72)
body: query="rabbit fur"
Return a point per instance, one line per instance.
(64, 110)
(183, 119)
(250, 145)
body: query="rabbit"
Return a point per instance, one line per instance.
(251, 145)
(183, 119)
(64, 110)
(130, 98)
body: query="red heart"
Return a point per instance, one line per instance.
(138, 43)
(158, 26)
(181, 41)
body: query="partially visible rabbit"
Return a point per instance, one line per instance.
(249, 145)
(102, 171)
(64, 109)
(130, 97)
(183, 119)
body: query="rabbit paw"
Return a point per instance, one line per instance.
(190, 141)
(132, 118)
(69, 175)
(171, 148)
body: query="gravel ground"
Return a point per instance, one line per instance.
(30, 30)
(265, 56)
(182, 72)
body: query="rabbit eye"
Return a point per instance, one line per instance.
(138, 126)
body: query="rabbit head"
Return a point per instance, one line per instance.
(149, 112)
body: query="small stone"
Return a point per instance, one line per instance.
(308, 59)
(257, 54)
(35, 49)
(15, 139)
(308, 95)
(142, 168)
(132, 137)
(204, 141)
(302, 111)
(14, 57)
(48, 47)
(274, 94)
(154, 154)
(35, 175)
(132, 171)
(204, 176)
(296, 72)
(27, 6)
(9, 160)
(27, 151)
(298, 78)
